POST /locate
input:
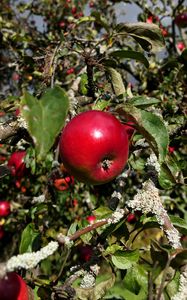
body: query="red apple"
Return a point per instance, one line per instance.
(94, 147)
(91, 219)
(63, 184)
(16, 163)
(131, 218)
(181, 20)
(171, 149)
(4, 208)
(181, 46)
(70, 71)
(13, 287)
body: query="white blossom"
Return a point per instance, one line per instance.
(182, 293)
(22, 122)
(173, 237)
(88, 281)
(39, 199)
(153, 161)
(30, 260)
(116, 216)
(148, 200)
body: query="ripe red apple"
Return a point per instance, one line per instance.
(181, 46)
(131, 218)
(91, 219)
(94, 147)
(13, 288)
(63, 184)
(70, 71)
(181, 20)
(4, 208)
(16, 163)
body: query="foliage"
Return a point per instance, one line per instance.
(59, 58)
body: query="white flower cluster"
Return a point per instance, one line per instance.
(153, 161)
(173, 237)
(22, 122)
(88, 281)
(182, 293)
(116, 216)
(30, 260)
(39, 199)
(148, 200)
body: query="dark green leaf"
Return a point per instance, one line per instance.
(135, 283)
(179, 223)
(148, 35)
(150, 126)
(101, 20)
(45, 117)
(143, 101)
(117, 81)
(28, 237)
(122, 54)
(125, 259)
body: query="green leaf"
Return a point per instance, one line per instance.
(150, 126)
(85, 19)
(102, 212)
(45, 117)
(112, 249)
(125, 259)
(83, 85)
(101, 20)
(122, 54)
(173, 286)
(135, 283)
(179, 223)
(149, 36)
(72, 229)
(100, 104)
(166, 179)
(143, 101)
(117, 81)
(28, 237)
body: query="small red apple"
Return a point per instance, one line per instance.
(63, 184)
(62, 24)
(70, 71)
(91, 219)
(13, 287)
(181, 20)
(131, 218)
(4, 208)
(16, 163)
(171, 149)
(94, 147)
(181, 46)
